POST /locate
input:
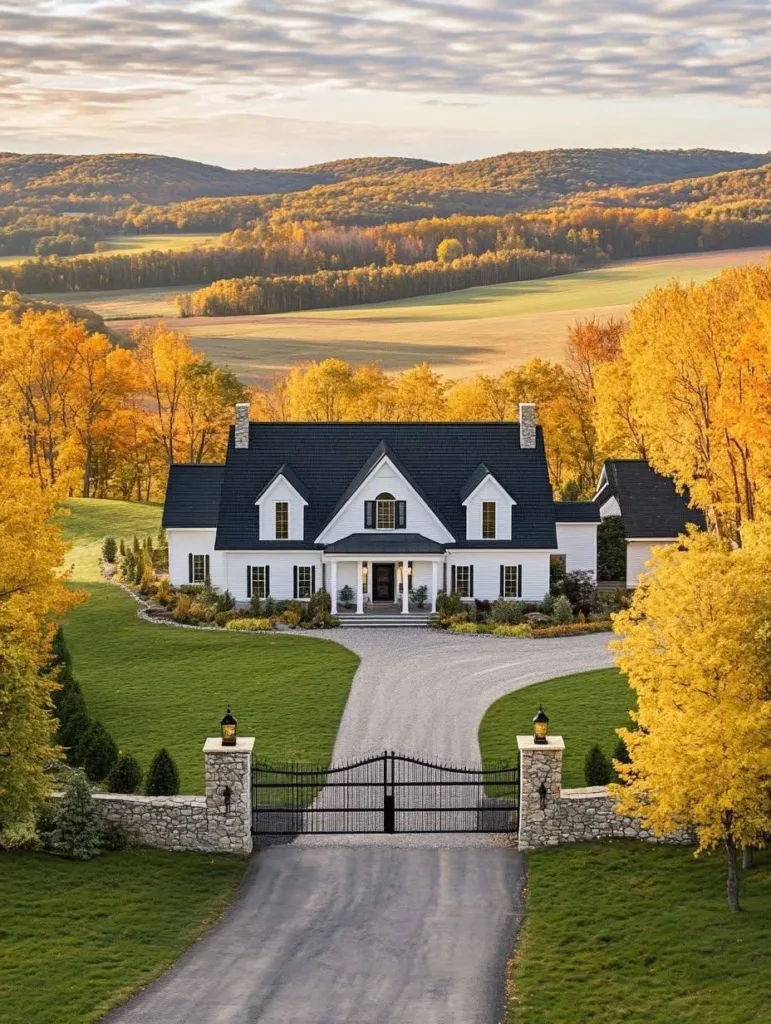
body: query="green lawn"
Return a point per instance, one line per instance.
(585, 709)
(155, 686)
(77, 938)
(625, 933)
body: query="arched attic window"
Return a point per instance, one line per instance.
(385, 511)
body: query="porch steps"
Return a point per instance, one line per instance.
(384, 620)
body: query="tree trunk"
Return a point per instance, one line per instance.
(746, 857)
(732, 884)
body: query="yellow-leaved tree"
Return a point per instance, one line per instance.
(33, 599)
(696, 647)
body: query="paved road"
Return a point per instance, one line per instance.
(379, 929)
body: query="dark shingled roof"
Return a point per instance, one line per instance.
(480, 473)
(438, 458)
(650, 505)
(386, 544)
(193, 495)
(576, 512)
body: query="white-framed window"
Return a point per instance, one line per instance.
(385, 512)
(282, 520)
(463, 577)
(304, 581)
(260, 581)
(512, 583)
(199, 567)
(489, 520)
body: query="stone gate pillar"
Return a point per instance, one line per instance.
(540, 783)
(228, 774)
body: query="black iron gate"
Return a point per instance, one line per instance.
(388, 792)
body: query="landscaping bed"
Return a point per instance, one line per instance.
(76, 939)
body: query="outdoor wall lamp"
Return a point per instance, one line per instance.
(542, 796)
(229, 729)
(540, 725)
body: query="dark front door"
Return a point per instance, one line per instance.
(382, 582)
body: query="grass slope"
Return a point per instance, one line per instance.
(78, 938)
(478, 330)
(128, 244)
(639, 934)
(585, 709)
(155, 686)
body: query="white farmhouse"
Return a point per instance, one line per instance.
(382, 508)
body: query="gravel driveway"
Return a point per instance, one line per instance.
(379, 929)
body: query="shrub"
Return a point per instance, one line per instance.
(113, 837)
(463, 627)
(547, 605)
(522, 631)
(163, 594)
(98, 752)
(323, 620)
(620, 752)
(250, 625)
(74, 724)
(563, 611)
(573, 629)
(162, 776)
(507, 612)
(77, 833)
(109, 549)
(136, 545)
(448, 604)
(420, 596)
(221, 619)
(598, 770)
(122, 547)
(579, 588)
(200, 612)
(611, 549)
(20, 835)
(346, 596)
(292, 619)
(125, 776)
(182, 608)
(320, 603)
(225, 602)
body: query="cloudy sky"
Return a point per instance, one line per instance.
(271, 83)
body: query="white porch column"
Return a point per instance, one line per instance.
(369, 581)
(434, 584)
(405, 588)
(333, 586)
(359, 591)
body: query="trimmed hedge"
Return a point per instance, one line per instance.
(574, 629)
(250, 625)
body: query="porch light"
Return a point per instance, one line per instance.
(229, 729)
(540, 725)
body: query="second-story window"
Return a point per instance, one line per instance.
(282, 520)
(488, 520)
(385, 512)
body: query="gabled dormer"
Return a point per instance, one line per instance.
(282, 503)
(488, 506)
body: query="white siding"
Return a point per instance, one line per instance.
(385, 478)
(578, 542)
(487, 571)
(610, 508)
(488, 490)
(346, 576)
(281, 571)
(183, 543)
(281, 491)
(637, 554)
(421, 576)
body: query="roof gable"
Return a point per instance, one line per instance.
(287, 474)
(479, 477)
(649, 502)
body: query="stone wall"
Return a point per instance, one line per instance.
(220, 822)
(550, 815)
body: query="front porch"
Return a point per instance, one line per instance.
(384, 585)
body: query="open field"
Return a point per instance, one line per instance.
(125, 305)
(626, 932)
(479, 330)
(127, 244)
(154, 686)
(77, 939)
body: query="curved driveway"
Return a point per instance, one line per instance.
(358, 931)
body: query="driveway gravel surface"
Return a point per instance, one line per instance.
(379, 929)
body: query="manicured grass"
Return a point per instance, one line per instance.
(77, 938)
(585, 709)
(155, 686)
(478, 330)
(639, 934)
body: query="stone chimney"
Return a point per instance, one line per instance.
(526, 425)
(242, 425)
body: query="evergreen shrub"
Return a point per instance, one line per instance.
(162, 777)
(125, 776)
(598, 770)
(77, 833)
(109, 549)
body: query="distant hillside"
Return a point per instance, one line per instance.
(358, 167)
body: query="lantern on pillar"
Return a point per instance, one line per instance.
(540, 726)
(229, 729)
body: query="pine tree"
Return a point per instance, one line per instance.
(126, 775)
(620, 753)
(162, 777)
(122, 547)
(99, 752)
(77, 831)
(109, 549)
(597, 767)
(74, 724)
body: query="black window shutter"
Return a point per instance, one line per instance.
(471, 581)
(313, 579)
(295, 583)
(190, 568)
(401, 515)
(452, 579)
(519, 581)
(503, 581)
(248, 581)
(369, 515)
(206, 573)
(267, 581)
